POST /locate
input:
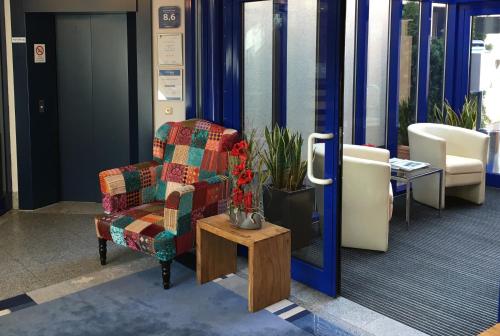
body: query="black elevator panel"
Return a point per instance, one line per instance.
(40, 29)
(93, 99)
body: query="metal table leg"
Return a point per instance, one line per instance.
(408, 204)
(440, 191)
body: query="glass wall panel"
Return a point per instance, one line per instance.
(410, 29)
(349, 70)
(258, 64)
(301, 67)
(437, 59)
(306, 115)
(377, 71)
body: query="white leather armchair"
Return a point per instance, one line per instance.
(461, 153)
(367, 198)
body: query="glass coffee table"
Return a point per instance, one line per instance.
(407, 177)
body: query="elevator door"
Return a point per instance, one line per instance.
(93, 100)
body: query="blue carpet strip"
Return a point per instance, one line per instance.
(285, 309)
(15, 303)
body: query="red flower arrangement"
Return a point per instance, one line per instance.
(241, 197)
(247, 177)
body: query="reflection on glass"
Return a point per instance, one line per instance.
(437, 59)
(377, 71)
(410, 28)
(258, 64)
(349, 67)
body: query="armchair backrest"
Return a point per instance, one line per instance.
(458, 141)
(365, 152)
(190, 151)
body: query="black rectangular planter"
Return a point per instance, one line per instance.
(293, 210)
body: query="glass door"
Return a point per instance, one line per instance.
(286, 71)
(478, 65)
(484, 81)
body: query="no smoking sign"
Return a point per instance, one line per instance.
(39, 53)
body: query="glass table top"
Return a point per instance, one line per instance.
(398, 174)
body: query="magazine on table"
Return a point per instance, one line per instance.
(407, 165)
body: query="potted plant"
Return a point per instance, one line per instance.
(466, 118)
(405, 120)
(247, 178)
(287, 201)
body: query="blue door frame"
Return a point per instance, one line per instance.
(331, 15)
(465, 12)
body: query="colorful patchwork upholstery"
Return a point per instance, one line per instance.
(153, 207)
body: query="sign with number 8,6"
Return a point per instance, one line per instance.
(169, 17)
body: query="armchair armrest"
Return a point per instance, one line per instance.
(188, 203)
(366, 203)
(427, 147)
(129, 186)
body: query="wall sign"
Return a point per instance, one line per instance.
(170, 49)
(169, 17)
(39, 53)
(19, 39)
(170, 85)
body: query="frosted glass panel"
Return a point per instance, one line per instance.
(258, 64)
(377, 71)
(301, 67)
(349, 66)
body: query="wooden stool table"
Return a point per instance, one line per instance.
(269, 256)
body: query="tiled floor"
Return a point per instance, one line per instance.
(51, 245)
(54, 250)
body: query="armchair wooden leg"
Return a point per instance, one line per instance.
(102, 250)
(165, 272)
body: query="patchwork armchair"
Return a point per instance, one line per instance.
(152, 207)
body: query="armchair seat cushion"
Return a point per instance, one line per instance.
(456, 165)
(463, 179)
(142, 229)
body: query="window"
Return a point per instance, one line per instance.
(437, 59)
(377, 71)
(408, 78)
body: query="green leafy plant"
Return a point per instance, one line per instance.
(405, 120)
(283, 158)
(465, 118)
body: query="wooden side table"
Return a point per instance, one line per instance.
(269, 258)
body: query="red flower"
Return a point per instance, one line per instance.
(240, 150)
(245, 178)
(238, 169)
(237, 197)
(247, 201)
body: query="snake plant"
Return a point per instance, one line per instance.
(283, 158)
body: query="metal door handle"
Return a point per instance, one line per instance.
(310, 152)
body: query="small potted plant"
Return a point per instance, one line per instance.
(405, 120)
(247, 178)
(287, 200)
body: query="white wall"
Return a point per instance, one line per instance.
(12, 108)
(179, 107)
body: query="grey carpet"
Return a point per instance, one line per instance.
(138, 305)
(441, 277)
